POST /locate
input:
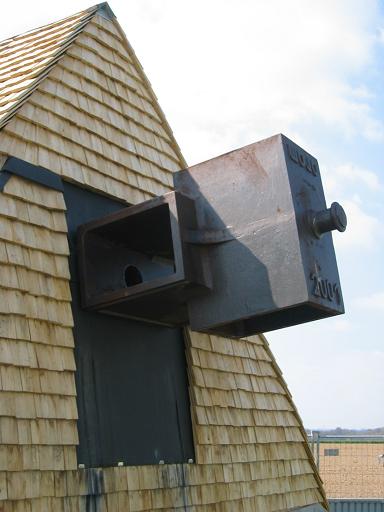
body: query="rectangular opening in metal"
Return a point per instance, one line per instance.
(130, 251)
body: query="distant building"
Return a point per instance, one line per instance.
(352, 468)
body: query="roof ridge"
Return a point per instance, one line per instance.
(73, 27)
(78, 14)
(105, 10)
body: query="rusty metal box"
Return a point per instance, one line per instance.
(261, 211)
(242, 246)
(133, 263)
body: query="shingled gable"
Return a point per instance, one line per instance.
(74, 100)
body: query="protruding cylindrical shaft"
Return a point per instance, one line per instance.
(330, 219)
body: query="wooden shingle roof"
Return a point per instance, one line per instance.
(26, 59)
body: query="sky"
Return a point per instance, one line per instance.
(231, 72)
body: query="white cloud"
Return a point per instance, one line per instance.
(228, 74)
(337, 178)
(338, 379)
(359, 175)
(363, 231)
(359, 190)
(342, 325)
(371, 302)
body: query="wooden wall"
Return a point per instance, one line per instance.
(94, 120)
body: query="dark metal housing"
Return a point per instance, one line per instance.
(269, 268)
(135, 264)
(241, 247)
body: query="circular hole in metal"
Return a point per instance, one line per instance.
(132, 276)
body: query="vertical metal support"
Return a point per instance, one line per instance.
(316, 439)
(311, 444)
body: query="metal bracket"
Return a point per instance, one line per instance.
(29, 172)
(105, 11)
(4, 177)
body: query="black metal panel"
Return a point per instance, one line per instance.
(4, 178)
(131, 377)
(105, 11)
(32, 172)
(356, 505)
